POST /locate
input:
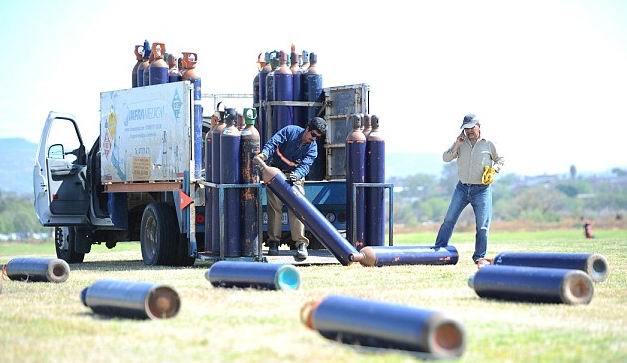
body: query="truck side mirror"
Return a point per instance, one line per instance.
(56, 151)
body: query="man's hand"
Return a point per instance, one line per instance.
(260, 159)
(292, 177)
(460, 139)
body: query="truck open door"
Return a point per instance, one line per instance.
(59, 174)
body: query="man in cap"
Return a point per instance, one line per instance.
(293, 150)
(477, 161)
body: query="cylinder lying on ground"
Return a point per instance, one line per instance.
(253, 274)
(37, 269)
(307, 213)
(129, 299)
(408, 255)
(532, 284)
(384, 325)
(593, 264)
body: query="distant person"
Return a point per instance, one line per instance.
(293, 150)
(587, 230)
(477, 161)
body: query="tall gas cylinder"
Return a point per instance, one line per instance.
(298, 112)
(305, 63)
(215, 177)
(375, 173)
(209, 192)
(158, 71)
(263, 74)
(145, 63)
(189, 61)
(139, 57)
(355, 173)
(230, 141)
(311, 217)
(250, 147)
(384, 325)
(269, 127)
(312, 86)
(261, 62)
(366, 125)
(174, 75)
(283, 88)
(151, 58)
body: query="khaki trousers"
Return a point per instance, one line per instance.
(297, 228)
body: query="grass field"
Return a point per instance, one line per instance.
(42, 322)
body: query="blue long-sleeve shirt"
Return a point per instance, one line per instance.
(289, 142)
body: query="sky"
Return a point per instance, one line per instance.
(547, 79)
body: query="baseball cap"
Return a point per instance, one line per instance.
(470, 121)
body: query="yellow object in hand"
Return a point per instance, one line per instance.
(488, 175)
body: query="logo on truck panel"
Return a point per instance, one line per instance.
(176, 104)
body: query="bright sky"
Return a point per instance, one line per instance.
(547, 78)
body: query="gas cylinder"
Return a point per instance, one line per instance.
(158, 70)
(249, 148)
(215, 177)
(263, 73)
(409, 255)
(209, 192)
(593, 264)
(375, 173)
(297, 91)
(260, 64)
(174, 75)
(189, 62)
(367, 126)
(144, 64)
(230, 140)
(313, 86)
(283, 88)
(305, 62)
(269, 127)
(139, 57)
(36, 269)
(267, 276)
(151, 58)
(355, 173)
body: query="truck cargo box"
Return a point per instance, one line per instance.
(145, 133)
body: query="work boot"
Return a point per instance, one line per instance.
(273, 248)
(301, 252)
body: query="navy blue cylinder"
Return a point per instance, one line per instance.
(230, 174)
(198, 152)
(355, 173)
(215, 176)
(143, 68)
(250, 147)
(532, 284)
(262, 123)
(384, 325)
(409, 255)
(138, 300)
(209, 192)
(375, 203)
(593, 264)
(282, 115)
(312, 86)
(298, 113)
(174, 76)
(307, 213)
(37, 269)
(270, 126)
(158, 72)
(268, 276)
(146, 77)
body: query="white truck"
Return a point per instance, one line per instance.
(135, 183)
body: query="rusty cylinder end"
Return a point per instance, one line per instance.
(577, 288)
(369, 258)
(163, 302)
(447, 339)
(597, 267)
(307, 311)
(58, 271)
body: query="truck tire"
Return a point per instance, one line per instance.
(183, 259)
(159, 235)
(65, 244)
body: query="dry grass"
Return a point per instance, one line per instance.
(47, 323)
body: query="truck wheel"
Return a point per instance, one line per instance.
(65, 244)
(159, 235)
(183, 259)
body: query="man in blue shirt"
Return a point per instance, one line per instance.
(293, 150)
